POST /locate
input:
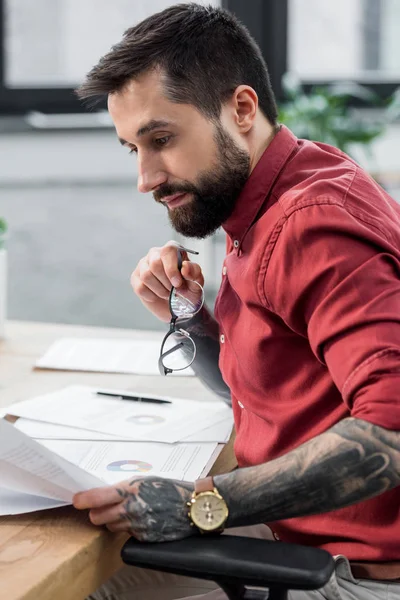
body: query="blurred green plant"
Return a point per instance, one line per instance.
(3, 231)
(324, 114)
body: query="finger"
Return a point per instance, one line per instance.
(123, 526)
(99, 497)
(156, 265)
(140, 289)
(192, 271)
(169, 257)
(153, 278)
(108, 514)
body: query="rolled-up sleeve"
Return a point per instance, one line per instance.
(335, 279)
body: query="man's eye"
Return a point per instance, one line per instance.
(133, 150)
(162, 141)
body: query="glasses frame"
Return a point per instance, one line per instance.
(174, 324)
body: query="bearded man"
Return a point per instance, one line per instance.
(306, 334)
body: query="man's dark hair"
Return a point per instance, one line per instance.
(204, 53)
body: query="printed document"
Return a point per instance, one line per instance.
(138, 357)
(16, 503)
(28, 467)
(116, 461)
(81, 407)
(42, 475)
(39, 430)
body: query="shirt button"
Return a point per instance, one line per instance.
(240, 404)
(222, 338)
(224, 270)
(236, 243)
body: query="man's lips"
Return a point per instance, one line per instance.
(175, 200)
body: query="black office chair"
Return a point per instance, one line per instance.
(235, 562)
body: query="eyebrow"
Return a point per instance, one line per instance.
(150, 126)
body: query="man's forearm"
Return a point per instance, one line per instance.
(351, 462)
(204, 330)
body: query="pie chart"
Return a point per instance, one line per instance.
(145, 419)
(130, 466)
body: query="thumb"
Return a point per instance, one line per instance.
(192, 271)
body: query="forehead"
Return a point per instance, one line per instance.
(143, 100)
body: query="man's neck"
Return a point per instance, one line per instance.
(264, 136)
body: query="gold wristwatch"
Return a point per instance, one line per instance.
(207, 508)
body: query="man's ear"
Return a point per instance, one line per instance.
(244, 104)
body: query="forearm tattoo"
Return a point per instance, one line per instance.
(351, 462)
(203, 325)
(204, 330)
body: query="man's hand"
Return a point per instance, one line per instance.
(151, 509)
(157, 272)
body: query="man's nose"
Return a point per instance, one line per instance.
(149, 177)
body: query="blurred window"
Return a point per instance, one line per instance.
(47, 46)
(356, 39)
(54, 43)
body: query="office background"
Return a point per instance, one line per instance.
(77, 225)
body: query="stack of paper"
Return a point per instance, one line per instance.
(36, 476)
(84, 440)
(138, 357)
(80, 407)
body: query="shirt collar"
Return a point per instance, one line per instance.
(259, 185)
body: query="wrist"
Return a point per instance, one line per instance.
(208, 510)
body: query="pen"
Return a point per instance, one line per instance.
(134, 398)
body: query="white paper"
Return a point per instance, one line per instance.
(74, 451)
(138, 357)
(79, 406)
(16, 503)
(219, 432)
(35, 476)
(27, 466)
(207, 467)
(39, 430)
(118, 461)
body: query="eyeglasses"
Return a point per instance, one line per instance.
(178, 349)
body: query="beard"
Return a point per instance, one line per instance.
(215, 193)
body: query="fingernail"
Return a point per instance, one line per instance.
(176, 281)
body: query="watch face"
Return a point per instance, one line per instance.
(209, 511)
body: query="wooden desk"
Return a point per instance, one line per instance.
(58, 553)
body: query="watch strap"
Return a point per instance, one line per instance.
(204, 485)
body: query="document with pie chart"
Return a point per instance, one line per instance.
(36, 476)
(116, 461)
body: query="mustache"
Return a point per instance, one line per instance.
(168, 190)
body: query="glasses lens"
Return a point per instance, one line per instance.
(178, 351)
(187, 300)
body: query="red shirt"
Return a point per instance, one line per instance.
(309, 314)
